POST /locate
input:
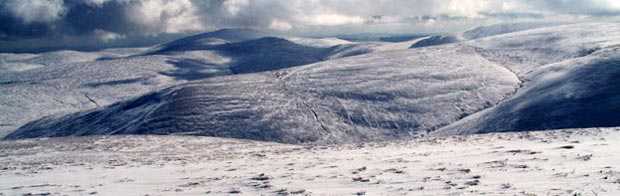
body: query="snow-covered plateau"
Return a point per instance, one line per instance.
(560, 162)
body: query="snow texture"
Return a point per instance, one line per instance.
(561, 162)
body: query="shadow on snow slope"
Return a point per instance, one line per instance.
(390, 95)
(578, 93)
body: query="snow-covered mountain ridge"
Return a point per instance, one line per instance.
(33, 86)
(570, 74)
(498, 78)
(371, 97)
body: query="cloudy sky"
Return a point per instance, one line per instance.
(90, 23)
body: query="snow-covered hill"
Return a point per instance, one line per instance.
(577, 93)
(206, 40)
(498, 78)
(33, 86)
(479, 32)
(270, 53)
(61, 88)
(378, 96)
(570, 80)
(524, 51)
(319, 43)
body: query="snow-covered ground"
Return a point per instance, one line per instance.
(560, 162)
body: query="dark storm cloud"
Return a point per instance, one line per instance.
(16, 21)
(12, 28)
(86, 18)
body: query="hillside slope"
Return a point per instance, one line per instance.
(577, 93)
(277, 90)
(33, 86)
(479, 32)
(206, 40)
(378, 96)
(570, 81)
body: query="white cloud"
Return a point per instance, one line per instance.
(331, 19)
(280, 25)
(106, 36)
(96, 2)
(36, 10)
(166, 16)
(430, 22)
(613, 4)
(234, 6)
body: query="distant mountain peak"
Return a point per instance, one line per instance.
(205, 40)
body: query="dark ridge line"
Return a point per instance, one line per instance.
(91, 100)
(506, 96)
(278, 76)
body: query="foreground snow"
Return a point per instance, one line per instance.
(562, 162)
